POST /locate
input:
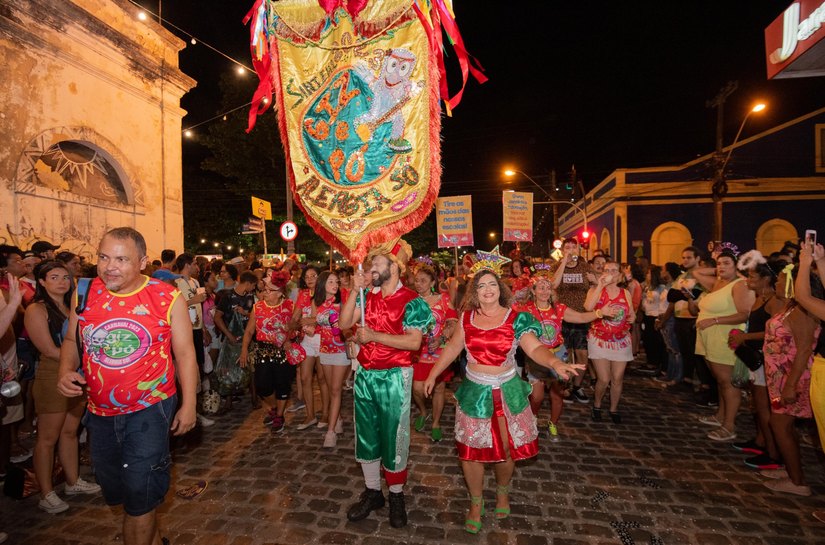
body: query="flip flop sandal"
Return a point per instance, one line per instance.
(192, 492)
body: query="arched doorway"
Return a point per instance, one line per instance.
(771, 235)
(605, 242)
(667, 242)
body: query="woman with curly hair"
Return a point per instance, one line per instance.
(761, 280)
(494, 423)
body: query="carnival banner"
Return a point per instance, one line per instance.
(518, 216)
(357, 86)
(454, 221)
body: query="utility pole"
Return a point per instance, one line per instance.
(553, 190)
(720, 186)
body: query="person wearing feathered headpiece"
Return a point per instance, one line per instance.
(748, 347)
(491, 332)
(393, 321)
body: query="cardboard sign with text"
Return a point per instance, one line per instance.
(454, 221)
(518, 216)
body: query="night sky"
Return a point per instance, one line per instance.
(602, 85)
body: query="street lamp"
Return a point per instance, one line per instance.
(510, 173)
(720, 185)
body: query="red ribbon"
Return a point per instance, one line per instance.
(440, 17)
(264, 90)
(353, 7)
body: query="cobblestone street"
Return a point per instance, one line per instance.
(655, 479)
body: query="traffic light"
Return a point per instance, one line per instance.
(585, 243)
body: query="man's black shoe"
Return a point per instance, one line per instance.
(370, 501)
(398, 512)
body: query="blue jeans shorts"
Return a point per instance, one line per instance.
(131, 456)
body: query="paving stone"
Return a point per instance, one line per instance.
(659, 471)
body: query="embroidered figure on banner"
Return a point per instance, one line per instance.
(391, 90)
(373, 105)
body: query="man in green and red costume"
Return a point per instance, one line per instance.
(395, 319)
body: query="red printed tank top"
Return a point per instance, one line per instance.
(550, 320)
(616, 328)
(441, 312)
(272, 322)
(127, 351)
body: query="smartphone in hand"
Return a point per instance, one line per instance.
(810, 237)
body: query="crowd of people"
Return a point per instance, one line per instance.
(397, 332)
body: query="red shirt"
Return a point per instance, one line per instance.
(612, 329)
(441, 312)
(127, 345)
(272, 322)
(550, 320)
(332, 340)
(391, 314)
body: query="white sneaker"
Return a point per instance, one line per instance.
(339, 426)
(81, 487)
(296, 406)
(205, 422)
(3, 537)
(330, 439)
(22, 457)
(52, 503)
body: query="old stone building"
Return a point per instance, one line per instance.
(90, 124)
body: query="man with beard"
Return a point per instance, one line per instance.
(128, 327)
(395, 319)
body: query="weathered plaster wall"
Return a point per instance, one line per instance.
(89, 71)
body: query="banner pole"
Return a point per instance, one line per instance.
(263, 224)
(363, 320)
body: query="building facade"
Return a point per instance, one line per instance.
(776, 191)
(90, 124)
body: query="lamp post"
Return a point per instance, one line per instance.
(720, 185)
(551, 200)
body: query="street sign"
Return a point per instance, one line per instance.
(255, 224)
(289, 231)
(261, 208)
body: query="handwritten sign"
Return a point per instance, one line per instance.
(518, 216)
(454, 221)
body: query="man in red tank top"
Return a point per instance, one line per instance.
(129, 326)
